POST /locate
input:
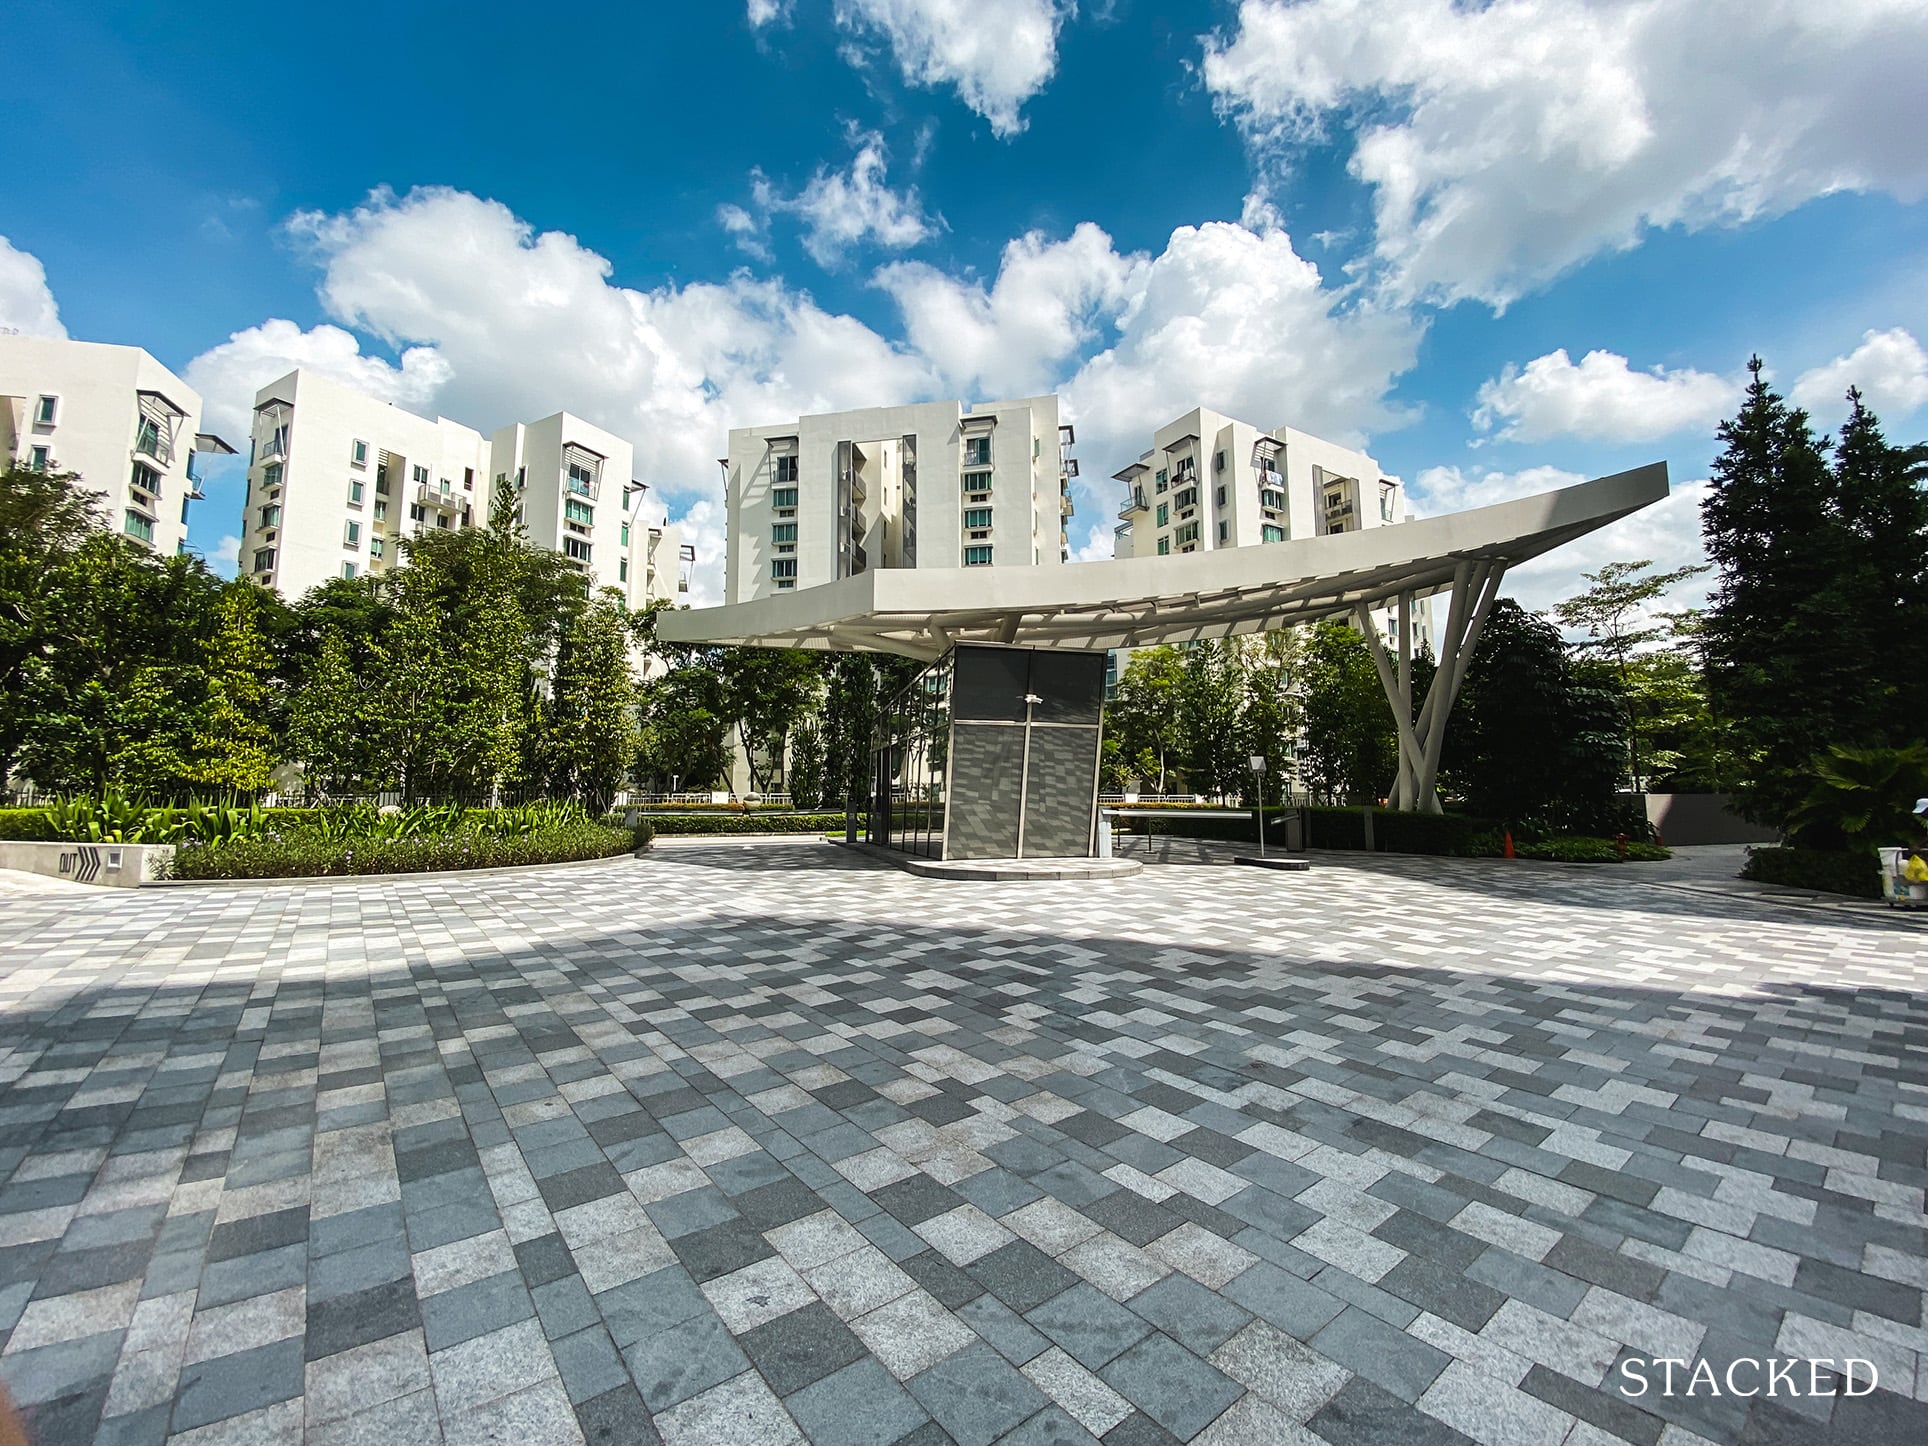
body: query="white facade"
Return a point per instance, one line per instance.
(113, 414)
(338, 479)
(931, 484)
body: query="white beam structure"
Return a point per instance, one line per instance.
(1135, 602)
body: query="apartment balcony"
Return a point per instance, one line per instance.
(1066, 508)
(430, 495)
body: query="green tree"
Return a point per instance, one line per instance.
(765, 693)
(807, 775)
(1211, 707)
(1273, 715)
(1862, 798)
(1351, 747)
(44, 518)
(233, 748)
(850, 715)
(1532, 740)
(1787, 663)
(1616, 613)
(1144, 716)
(327, 721)
(592, 722)
(684, 736)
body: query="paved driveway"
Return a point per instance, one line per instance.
(740, 1145)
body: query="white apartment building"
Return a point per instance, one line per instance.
(932, 484)
(338, 479)
(126, 424)
(1210, 481)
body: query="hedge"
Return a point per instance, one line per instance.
(1343, 828)
(1593, 851)
(749, 823)
(1856, 873)
(25, 825)
(306, 856)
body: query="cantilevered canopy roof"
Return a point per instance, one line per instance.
(1134, 602)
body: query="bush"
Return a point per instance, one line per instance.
(1582, 850)
(1856, 872)
(26, 825)
(308, 854)
(749, 823)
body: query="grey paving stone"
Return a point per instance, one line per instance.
(800, 1348)
(1295, 1306)
(618, 1417)
(225, 1386)
(1363, 1414)
(675, 1364)
(1368, 1347)
(1179, 1391)
(1092, 1328)
(1199, 1319)
(859, 1405)
(452, 1316)
(976, 1395)
(342, 1322)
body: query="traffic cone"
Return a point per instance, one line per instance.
(1506, 851)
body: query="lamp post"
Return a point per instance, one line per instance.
(1258, 795)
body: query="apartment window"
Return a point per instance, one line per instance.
(575, 547)
(783, 532)
(420, 474)
(1164, 513)
(977, 481)
(784, 499)
(1164, 546)
(348, 569)
(375, 547)
(358, 453)
(625, 534)
(1224, 529)
(442, 521)
(1163, 482)
(277, 440)
(1271, 532)
(1186, 532)
(354, 491)
(139, 527)
(417, 512)
(1272, 501)
(622, 569)
(975, 517)
(1185, 501)
(786, 471)
(146, 478)
(1385, 504)
(782, 567)
(381, 481)
(977, 451)
(44, 409)
(977, 556)
(351, 535)
(185, 499)
(581, 512)
(381, 510)
(1221, 490)
(1218, 462)
(264, 559)
(468, 479)
(39, 461)
(271, 515)
(271, 475)
(581, 480)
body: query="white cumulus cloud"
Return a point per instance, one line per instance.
(841, 209)
(768, 12)
(499, 322)
(1600, 399)
(1508, 142)
(1889, 367)
(26, 304)
(997, 54)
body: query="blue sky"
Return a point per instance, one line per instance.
(1401, 223)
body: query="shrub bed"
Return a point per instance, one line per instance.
(1592, 851)
(1856, 873)
(26, 825)
(667, 824)
(307, 854)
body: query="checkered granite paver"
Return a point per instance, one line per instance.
(743, 1145)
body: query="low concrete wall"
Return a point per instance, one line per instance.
(124, 866)
(1686, 819)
